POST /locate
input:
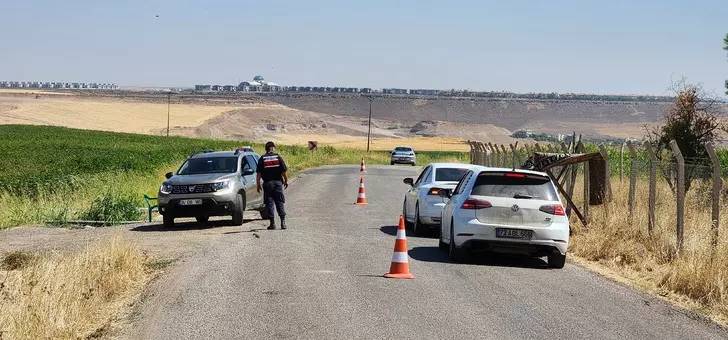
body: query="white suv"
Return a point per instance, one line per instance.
(507, 211)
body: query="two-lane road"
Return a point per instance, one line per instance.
(322, 279)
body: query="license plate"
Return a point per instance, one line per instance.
(520, 234)
(190, 202)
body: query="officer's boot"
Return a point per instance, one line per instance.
(283, 223)
(272, 224)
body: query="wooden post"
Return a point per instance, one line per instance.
(652, 190)
(621, 163)
(632, 181)
(680, 190)
(607, 172)
(715, 199)
(571, 182)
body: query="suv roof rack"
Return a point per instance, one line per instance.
(246, 148)
(202, 151)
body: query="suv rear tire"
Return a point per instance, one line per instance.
(238, 210)
(557, 260)
(168, 220)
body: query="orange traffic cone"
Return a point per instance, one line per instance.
(362, 198)
(400, 260)
(362, 167)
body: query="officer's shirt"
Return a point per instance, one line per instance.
(271, 167)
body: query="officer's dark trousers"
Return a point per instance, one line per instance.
(273, 196)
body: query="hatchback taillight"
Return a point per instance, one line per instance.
(553, 209)
(474, 203)
(434, 191)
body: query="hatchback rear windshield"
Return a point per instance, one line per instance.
(209, 165)
(449, 174)
(515, 185)
(402, 149)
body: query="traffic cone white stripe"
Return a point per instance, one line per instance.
(400, 257)
(401, 235)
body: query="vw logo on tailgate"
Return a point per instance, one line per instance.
(515, 208)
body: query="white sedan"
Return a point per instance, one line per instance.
(422, 207)
(506, 211)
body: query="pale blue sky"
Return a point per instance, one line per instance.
(523, 46)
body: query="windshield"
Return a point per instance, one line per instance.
(449, 174)
(402, 149)
(514, 185)
(209, 165)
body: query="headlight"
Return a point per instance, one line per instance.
(217, 186)
(165, 188)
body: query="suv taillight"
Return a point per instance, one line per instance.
(474, 203)
(553, 209)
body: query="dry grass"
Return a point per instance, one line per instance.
(698, 278)
(379, 143)
(70, 295)
(103, 114)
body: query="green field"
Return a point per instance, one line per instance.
(53, 174)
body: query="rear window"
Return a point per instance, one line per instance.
(402, 149)
(449, 174)
(515, 185)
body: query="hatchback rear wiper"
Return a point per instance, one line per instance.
(522, 196)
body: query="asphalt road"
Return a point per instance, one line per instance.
(322, 279)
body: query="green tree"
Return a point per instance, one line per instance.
(692, 121)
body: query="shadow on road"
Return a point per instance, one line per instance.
(434, 254)
(187, 226)
(392, 230)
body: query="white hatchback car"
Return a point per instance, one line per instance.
(507, 211)
(422, 207)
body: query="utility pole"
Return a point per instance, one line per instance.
(369, 133)
(169, 99)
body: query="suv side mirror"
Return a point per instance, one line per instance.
(168, 175)
(409, 181)
(445, 193)
(247, 172)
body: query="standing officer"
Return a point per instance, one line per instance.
(272, 170)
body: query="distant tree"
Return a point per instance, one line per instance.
(692, 121)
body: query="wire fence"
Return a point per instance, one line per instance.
(654, 181)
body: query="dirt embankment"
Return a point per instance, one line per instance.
(590, 117)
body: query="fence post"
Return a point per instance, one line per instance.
(485, 158)
(504, 160)
(715, 199)
(586, 191)
(495, 155)
(621, 163)
(607, 171)
(680, 190)
(652, 189)
(632, 180)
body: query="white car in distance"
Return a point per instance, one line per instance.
(422, 207)
(505, 211)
